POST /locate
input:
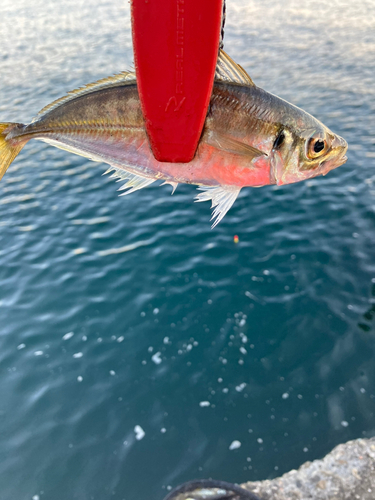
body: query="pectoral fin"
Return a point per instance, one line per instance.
(225, 143)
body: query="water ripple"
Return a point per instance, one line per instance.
(118, 312)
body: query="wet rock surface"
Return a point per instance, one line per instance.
(346, 473)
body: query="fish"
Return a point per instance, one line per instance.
(250, 138)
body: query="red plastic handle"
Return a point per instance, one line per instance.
(176, 44)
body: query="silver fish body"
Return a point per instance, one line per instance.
(250, 137)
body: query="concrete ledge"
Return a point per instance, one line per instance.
(346, 473)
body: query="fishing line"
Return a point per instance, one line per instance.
(210, 489)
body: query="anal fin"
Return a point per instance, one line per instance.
(133, 181)
(222, 199)
(171, 183)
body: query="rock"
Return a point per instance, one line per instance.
(346, 473)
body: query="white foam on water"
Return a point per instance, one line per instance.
(156, 358)
(68, 336)
(139, 432)
(235, 445)
(241, 387)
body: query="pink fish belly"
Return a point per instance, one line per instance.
(209, 167)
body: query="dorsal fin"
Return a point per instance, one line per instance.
(125, 77)
(226, 71)
(229, 71)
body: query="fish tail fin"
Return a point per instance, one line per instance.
(9, 147)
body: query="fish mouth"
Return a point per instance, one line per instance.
(340, 161)
(329, 165)
(340, 145)
(339, 148)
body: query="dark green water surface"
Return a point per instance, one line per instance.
(118, 312)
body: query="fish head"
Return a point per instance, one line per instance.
(305, 150)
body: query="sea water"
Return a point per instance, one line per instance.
(139, 348)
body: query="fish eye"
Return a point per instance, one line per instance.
(279, 140)
(315, 147)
